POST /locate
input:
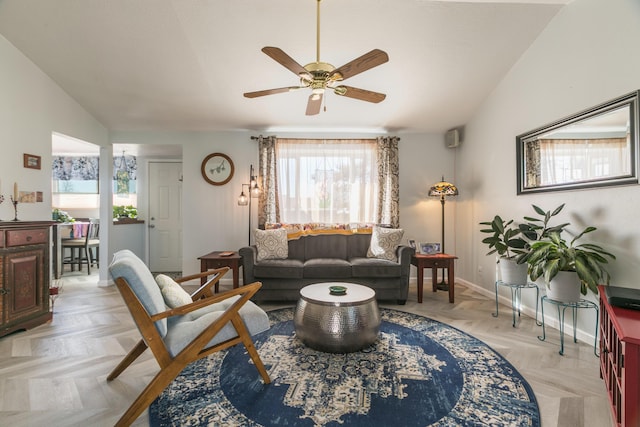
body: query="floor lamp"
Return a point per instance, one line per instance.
(442, 189)
(254, 191)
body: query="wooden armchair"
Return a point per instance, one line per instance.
(187, 332)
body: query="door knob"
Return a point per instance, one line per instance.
(152, 226)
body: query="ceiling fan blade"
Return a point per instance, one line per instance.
(270, 91)
(314, 104)
(365, 62)
(361, 94)
(285, 60)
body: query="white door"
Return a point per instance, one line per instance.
(165, 216)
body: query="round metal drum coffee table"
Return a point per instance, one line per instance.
(343, 321)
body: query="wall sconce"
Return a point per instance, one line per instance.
(253, 191)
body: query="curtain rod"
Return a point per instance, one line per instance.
(255, 138)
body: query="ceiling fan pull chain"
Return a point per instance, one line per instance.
(318, 32)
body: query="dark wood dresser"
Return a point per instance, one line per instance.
(24, 274)
(620, 360)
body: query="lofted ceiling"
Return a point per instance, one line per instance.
(185, 64)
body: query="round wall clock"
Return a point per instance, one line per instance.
(217, 169)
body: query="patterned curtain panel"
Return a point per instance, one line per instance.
(75, 174)
(532, 160)
(125, 170)
(389, 182)
(268, 205)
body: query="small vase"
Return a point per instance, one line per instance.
(565, 287)
(512, 273)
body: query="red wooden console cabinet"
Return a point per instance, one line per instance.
(620, 360)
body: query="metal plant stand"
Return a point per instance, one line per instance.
(516, 298)
(574, 306)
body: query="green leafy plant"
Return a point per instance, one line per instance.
(538, 228)
(505, 239)
(61, 216)
(125, 212)
(551, 253)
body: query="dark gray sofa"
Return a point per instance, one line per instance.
(327, 258)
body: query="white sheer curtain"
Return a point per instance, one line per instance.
(571, 160)
(327, 181)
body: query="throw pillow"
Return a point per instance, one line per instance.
(174, 295)
(272, 244)
(384, 242)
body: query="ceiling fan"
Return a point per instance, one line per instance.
(319, 76)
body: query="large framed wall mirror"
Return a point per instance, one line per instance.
(596, 147)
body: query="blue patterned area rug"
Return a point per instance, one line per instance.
(419, 372)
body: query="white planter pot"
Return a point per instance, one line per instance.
(565, 287)
(512, 273)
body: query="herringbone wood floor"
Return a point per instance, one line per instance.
(54, 375)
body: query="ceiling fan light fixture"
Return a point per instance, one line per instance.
(319, 75)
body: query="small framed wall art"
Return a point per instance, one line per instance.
(32, 161)
(217, 169)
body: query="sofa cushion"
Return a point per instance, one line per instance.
(326, 268)
(174, 295)
(278, 268)
(325, 246)
(375, 267)
(358, 245)
(384, 243)
(272, 244)
(296, 249)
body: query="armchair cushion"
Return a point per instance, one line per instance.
(126, 264)
(174, 295)
(184, 329)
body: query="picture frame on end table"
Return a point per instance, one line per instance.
(429, 248)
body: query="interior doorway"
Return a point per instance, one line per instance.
(165, 216)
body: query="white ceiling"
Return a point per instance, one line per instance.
(184, 64)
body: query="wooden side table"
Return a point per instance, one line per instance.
(435, 261)
(216, 260)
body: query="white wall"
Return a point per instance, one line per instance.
(584, 57)
(32, 107)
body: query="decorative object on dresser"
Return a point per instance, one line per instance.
(24, 268)
(442, 189)
(620, 360)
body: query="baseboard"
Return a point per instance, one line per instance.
(549, 320)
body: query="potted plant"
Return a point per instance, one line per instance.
(125, 212)
(538, 228)
(569, 269)
(505, 241)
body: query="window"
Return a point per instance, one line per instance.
(327, 181)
